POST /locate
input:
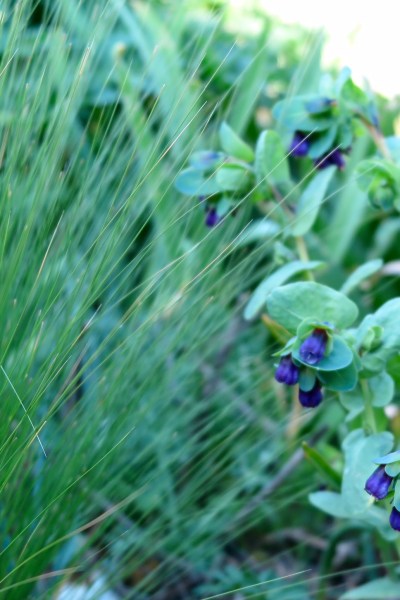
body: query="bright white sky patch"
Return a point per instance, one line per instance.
(362, 35)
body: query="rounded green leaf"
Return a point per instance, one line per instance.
(382, 389)
(232, 144)
(260, 294)
(232, 178)
(343, 380)
(289, 305)
(307, 379)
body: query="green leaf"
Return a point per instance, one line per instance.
(353, 502)
(232, 144)
(380, 178)
(382, 389)
(223, 206)
(311, 200)
(380, 589)
(293, 114)
(205, 160)
(360, 274)
(250, 84)
(232, 178)
(289, 305)
(355, 98)
(319, 104)
(262, 291)
(353, 402)
(388, 459)
(322, 142)
(322, 465)
(271, 163)
(259, 230)
(193, 183)
(349, 207)
(340, 356)
(307, 379)
(393, 469)
(340, 381)
(393, 144)
(387, 317)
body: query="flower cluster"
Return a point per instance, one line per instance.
(301, 145)
(378, 486)
(311, 351)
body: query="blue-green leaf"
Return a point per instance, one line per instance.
(259, 230)
(232, 144)
(388, 459)
(232, 178)
(353, 502)
(271, 163)
(311, 200)
(289, 305)
(382, 389)
(307, 379)
(380, 589)
(386, 317)
(340, 381)
(262, 291)
(193, 183)
(360, 274)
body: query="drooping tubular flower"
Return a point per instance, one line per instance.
(378, 484)
(212, 217)
(287, 372)
(313, 348)
(394, 519)
(300, 147)
(300, 144)
(313, 397)
(335, 157)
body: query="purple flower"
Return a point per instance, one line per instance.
(378, 483)
(335, 157)
(313, 348)
(394, 519)
(312, 398)
(287, 372)
(300, 144)
(212, 217)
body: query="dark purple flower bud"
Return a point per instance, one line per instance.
(212, 217)
(300, 145)
(378, 483)
(333, 158)
(287, 372)
(394, 519)
(312, 398)
(313, 348)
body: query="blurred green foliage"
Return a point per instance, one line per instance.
(166, 438)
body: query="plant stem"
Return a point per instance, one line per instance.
(369, 415)
(378, 139)
(303, 255)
